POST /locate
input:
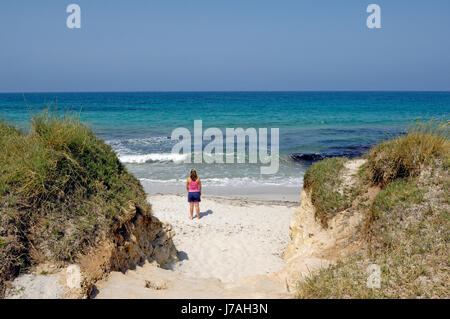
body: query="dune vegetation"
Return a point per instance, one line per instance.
(329, 193)
(61, 189)
(407, 227)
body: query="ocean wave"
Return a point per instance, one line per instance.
(126, 157)
(147, 145)
(141, 141)
(235, 181)
(154, 157)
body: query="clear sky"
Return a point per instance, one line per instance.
(240, 45)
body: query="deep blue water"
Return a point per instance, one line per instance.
(336, 123)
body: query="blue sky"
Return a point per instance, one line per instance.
(207, 45)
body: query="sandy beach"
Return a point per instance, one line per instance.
(235, 239)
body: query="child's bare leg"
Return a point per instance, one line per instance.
(197, 207)
(191, 210)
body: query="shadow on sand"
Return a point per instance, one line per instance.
(204, 214)
(182, 255)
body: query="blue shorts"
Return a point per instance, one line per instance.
(194, 197)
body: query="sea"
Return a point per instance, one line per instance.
(312, 126)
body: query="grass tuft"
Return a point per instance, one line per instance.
(324, 183)
(400, 191)
(405, 156)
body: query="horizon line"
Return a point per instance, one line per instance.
(226, 91)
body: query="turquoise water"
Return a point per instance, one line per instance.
(312, 124)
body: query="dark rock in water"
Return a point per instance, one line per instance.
(308, 157)
(350, 151)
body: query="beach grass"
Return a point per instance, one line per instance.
(329, 194)
(407, 224)
(61, 188)
(404, 156)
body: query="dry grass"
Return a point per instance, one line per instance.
(409, 241)
(405, 156)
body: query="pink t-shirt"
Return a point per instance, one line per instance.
(193, 186)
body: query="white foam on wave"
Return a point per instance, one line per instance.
(154, 157)
(129, 146)
(236, 181)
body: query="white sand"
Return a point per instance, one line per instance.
(225, 254)
(232, 240)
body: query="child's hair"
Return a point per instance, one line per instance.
(194, 174)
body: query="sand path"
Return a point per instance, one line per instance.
(230, 252)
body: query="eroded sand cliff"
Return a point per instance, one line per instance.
(137, 238)
(313, 246)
